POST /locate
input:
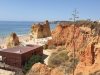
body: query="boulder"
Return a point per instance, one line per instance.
(42, 69)
(39, 69)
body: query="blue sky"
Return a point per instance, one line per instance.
(39, 10)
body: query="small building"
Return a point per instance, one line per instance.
(17, 56)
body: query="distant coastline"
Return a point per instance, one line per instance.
(19, 27)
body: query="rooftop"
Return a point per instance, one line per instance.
(20, 49)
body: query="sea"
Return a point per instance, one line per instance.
(19, 27)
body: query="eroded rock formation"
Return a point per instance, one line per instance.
(81, 38)
(42, 69)
(84, 40)
(90, 60)
(41, 30)
(12, 40)
(65, 34)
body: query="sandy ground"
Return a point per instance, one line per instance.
(40, 41)
(47, 54)
(5, 72)
(25, 39)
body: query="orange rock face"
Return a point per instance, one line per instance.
(89, 60)
(41, 69)
(87, 56)
(83, 41)
(64, 35)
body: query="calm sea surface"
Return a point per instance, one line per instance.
(21, 28)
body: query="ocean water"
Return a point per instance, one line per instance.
(19, 27)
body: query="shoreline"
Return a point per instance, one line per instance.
(22, 37)
(25, 39)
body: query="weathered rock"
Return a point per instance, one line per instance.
(65, 34)
(83, 40)
(57, 71)
(88, 55)
(90, 60)
(39, 69)
(42, 69)
(12, 40)
(41, 30)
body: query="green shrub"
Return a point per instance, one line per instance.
(57, 59)
(34, 59)
(61, 58)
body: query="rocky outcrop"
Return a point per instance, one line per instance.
(88, 55)
(40, 30)
(12, 40)
(89, 60)
(65, 34)
(83, 41)
(39, 69)
(42, 69)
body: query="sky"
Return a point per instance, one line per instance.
(40, 10)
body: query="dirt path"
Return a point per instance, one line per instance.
(47, 54)
(5, 72)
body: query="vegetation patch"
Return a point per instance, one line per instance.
(56, 59)
(61, 58)
(34, 59)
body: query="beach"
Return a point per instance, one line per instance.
(5, 72)
(21, 28)
(25, 39)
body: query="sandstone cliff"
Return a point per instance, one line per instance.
(89, 60)
(41, 30)
(12, 40)
(82, 39)
(64, 34)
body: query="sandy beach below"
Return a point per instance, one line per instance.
(5, 72)
(25, 39)
(21, 39)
